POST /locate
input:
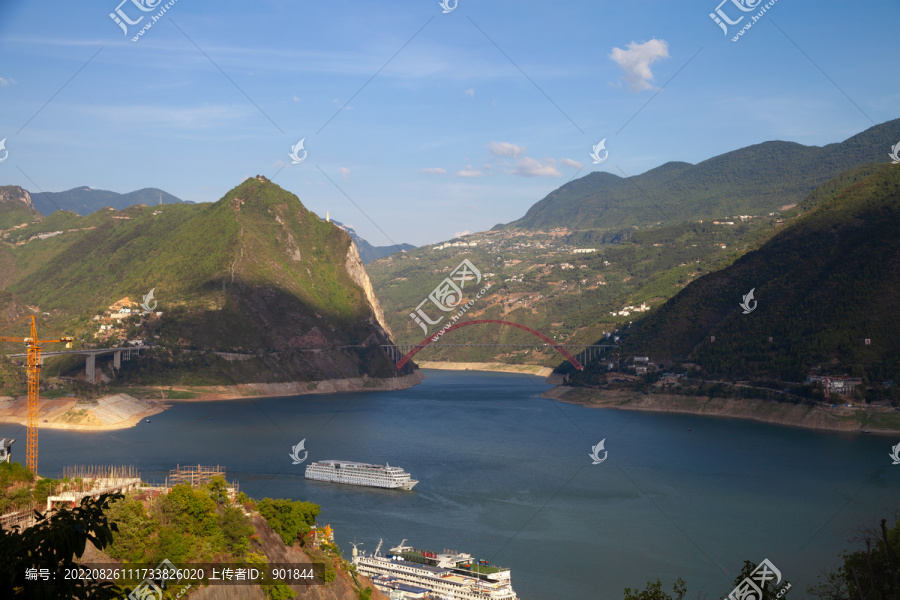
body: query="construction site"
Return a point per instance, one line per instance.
(78, 482)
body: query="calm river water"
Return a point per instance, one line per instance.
(505, 475)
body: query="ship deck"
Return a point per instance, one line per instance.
(437, 572)
(415, 555)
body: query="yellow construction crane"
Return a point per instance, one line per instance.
(34, 378)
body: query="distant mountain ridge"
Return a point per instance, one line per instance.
(85, 200)
(367, 251)
(752, 180)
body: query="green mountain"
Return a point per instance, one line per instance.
(757, 179)
(85, 200)
(821, 288)
(552, 283)
(255, 272)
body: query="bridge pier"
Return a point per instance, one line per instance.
(90, 362)
(117, 359)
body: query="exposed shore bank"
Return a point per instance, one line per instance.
(124, 410)
(875, 419)
(115, 411)
(486, 366)
(208, 393)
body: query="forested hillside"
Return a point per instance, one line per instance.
(254, 273)
(822, 287)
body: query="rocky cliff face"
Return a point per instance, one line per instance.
(13, 194)
(357, 272)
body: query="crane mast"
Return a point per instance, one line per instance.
(32, 343)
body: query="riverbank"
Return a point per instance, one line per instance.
(485, 366)
(115, 411)
(877, 419)
(131, 405)
(208, 393)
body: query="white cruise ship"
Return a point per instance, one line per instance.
(449, 574)
(354, 473)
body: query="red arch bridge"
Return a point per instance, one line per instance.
(586, 352)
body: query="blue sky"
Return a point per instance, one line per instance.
(478, 113)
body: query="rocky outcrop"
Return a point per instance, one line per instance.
(357, 271)
(13, 194)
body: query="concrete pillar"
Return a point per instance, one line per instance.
(89, 362)
(117, 359)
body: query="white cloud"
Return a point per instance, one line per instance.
(505, 149)
(433, 170)
(469, 92)
(636, 61)
(461, 233)
(5, 82)
(572, 163)
(469, 172)
(296, 99)
(345, 173)
(529, 167)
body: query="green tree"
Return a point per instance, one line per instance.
(193, 510)
(53, 543)
(870, 574)
(654, 591)
(289, 519)
(246, 501)
(236, 529)
(218, 490)
(135, 529)
(174, 545)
